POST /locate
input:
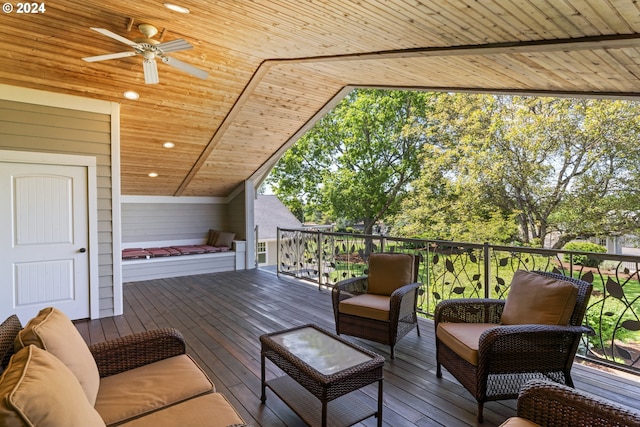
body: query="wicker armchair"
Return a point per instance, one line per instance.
(551, 404)
(493, 360)
(380, 307)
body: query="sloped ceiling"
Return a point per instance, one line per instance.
(277, 65)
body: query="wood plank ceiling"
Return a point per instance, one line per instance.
(275, 65)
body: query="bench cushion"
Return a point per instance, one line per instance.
(189, 249)
(53, 331)
(209, 410)
(37, 389)
(136, 253)
(149, 388)
(158, 252)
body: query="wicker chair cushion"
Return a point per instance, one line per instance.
(463, 338)
(8, 332)
(367, 305)
(388, 272)
(536, 299)
(518, 422)
(212, 410)
(147, 388)
(37, 389)
(52, 330)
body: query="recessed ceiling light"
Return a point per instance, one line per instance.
(153, 174)
(168, 144)
(176, 8)
(130, 94)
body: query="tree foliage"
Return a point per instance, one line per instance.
(469, 167)
(357, 162)
(552, 164)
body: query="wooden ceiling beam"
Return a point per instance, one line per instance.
(618, 41)
(255, 80)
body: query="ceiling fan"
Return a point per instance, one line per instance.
(150, 49)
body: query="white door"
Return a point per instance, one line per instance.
(43, 239)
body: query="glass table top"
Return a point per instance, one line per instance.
(320, 351)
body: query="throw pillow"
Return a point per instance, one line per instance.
(537, 299)
(225, 239)
(53, 331)
(37, 389)
(211, 237)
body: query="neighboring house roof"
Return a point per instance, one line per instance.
(270, 214)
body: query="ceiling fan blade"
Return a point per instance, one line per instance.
(187, 68)
(150, 71)
(108, 56)
(115, 36)
(174, 46)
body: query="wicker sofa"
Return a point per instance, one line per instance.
(547, 403)
(51, 377)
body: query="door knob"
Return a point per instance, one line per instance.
(82, 250)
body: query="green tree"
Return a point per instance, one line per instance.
(552, 164)
(357, 162)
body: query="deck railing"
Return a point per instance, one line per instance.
(467, 270)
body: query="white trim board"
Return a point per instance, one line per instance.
(52, 99)
(116, 211)
(92, 207)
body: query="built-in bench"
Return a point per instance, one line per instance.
(162, 259)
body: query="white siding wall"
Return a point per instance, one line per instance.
(157, 221)
(38, 128)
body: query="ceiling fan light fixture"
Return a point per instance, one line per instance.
(176, 8)
(153, 174)
(168, 144)
(131, 94)
(150, 49)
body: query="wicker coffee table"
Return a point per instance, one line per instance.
(321, 367)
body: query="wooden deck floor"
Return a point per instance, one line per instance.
(222, 315)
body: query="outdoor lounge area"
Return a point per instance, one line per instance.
(222, 316)
(143, 124)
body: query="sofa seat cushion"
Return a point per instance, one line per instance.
(53, 331)
(536, 299)
(151, 387)
(209, 410)
(37, 389)
(463, 338)
(367, 305)
(518, 422)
